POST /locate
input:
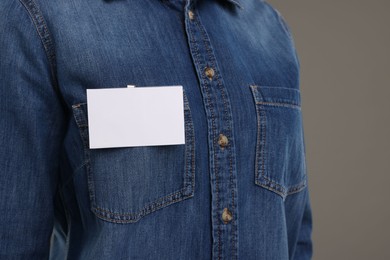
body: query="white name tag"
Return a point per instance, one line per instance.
(135, 116)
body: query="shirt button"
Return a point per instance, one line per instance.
(191, 15)
(226, 216)
(209, 72)
(223, 140)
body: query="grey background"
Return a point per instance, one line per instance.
(344, 49)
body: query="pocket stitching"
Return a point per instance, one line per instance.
(279, 104)
(149, 208)
(270, 184)
(184, 193)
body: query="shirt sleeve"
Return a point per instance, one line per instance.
(31, 133)
(304, 247)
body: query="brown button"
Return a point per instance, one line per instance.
(209, 72)
(191, 15)
(223, 140)
(226, 216)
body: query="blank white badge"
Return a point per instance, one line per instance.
(135, 116)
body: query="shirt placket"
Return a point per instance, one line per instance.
(222, 160)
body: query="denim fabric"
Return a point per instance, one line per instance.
(237, 188)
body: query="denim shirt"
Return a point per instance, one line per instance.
(237, 188)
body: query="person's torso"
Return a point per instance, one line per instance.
(222, 194)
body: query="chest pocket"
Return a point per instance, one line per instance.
(280, 150)
(126, 184)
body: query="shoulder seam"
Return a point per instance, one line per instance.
(46, 39)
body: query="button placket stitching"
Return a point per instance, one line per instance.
(227, 117)
(210, 107)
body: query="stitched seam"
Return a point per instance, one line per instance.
(276, 184)
(258, 156)
(210, 105)
(78, 114)
(154, 205)
(261, 138)
(214, 135)
(196, 54)
(46, 40)
(263, 141)
(235, 219)
(148, 207)
(278, 87)
(282, 192)
(266, 186)
(190, 147)
(278, 104)
(280, 100)
(280, 189)
(297, 188)
(134, 217)
(227, 116)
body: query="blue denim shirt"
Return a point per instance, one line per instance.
(237, 188)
